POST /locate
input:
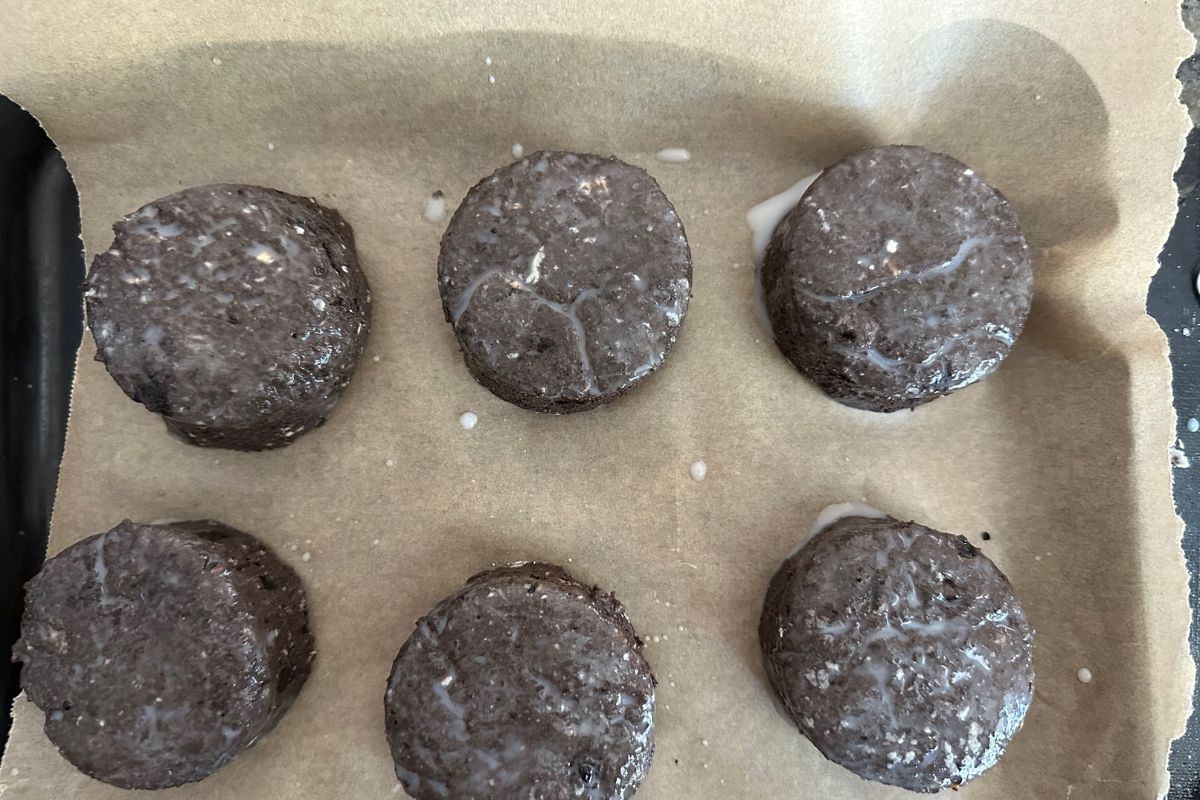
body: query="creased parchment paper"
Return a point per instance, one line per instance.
(1068, 107)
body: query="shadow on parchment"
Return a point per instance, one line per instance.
(428, 99)
(1023, 113)
(1040, 129)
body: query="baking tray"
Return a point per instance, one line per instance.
(41, 270)
(41, 320)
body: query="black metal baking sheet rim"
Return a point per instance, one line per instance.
(41, 322)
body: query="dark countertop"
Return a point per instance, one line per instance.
(1174, 302)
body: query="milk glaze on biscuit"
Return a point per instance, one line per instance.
(566, 278)
(160, 652)
(898, 278)
(901, 652)
(526, 683)
(238, 313)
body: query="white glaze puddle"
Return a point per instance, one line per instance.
(766, 216)
(435, 208)
(698, 471)
(834, 513)
(468, 420)
(839, 511)
(518, 150)
(673, 155)
(763, 219)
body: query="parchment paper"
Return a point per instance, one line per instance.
(1067, 107)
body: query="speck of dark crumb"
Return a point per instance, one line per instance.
(987, 536)
(587, 773)
(154, 393)
(677, 762)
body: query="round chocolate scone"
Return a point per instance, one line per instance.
(901, 652)
(566, 278)
(898, 278)
(160, 652)
(238, 313)
(526, 683)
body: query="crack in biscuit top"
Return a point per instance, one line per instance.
(591, 241)
(899, 276)
(901, 651)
